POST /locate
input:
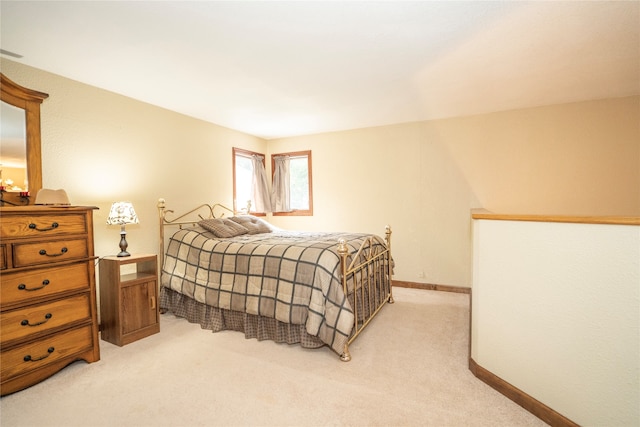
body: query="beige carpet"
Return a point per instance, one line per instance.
(408, 369)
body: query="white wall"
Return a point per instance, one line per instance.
(556, 313)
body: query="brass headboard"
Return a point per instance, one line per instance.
(190, 218)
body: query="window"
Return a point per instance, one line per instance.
(243, 178)
(290, 192)
(297, 181)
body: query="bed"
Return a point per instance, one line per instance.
(230, 270)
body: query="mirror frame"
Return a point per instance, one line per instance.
(29, 100)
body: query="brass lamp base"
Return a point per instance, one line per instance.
(123, 244)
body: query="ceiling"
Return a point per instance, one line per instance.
(276, 69)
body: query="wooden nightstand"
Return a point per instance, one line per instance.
(128, 298)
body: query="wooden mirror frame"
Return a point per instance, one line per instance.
(28, 100)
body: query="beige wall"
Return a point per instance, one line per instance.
(102, 147)
(571, 159)
(399, 175)
(421, 178)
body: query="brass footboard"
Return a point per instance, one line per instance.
(366, 276)
(368, 284)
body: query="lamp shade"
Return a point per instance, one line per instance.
(122, 213)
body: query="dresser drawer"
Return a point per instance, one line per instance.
(38, 319)
(20, 288)
(45, 351)
(43, 225)
(29, 254)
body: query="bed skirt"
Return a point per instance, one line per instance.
(217, 319)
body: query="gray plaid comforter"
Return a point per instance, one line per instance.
(293, 277)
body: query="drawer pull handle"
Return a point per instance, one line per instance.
(46, 319)
(23, 287)
(35, 227)
(28, 357)
(62, 252)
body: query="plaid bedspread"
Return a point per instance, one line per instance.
(293, 277)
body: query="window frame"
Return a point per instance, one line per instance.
(298, 154)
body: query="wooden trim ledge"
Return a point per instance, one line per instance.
(527, 402)
(615, 220)
(532, 405)
(431, 287)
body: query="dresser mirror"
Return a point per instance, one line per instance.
(20, 155)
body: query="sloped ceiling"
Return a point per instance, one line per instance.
(276, 69)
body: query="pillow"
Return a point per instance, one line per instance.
(252, 223)
(223, 227)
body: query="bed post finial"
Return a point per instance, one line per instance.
(342, 247)
(387, 235)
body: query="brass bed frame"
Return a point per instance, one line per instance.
(371, 280)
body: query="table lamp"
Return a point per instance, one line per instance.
(122, 213)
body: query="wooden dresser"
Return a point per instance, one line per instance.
(48, 312)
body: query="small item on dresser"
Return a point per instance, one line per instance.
(122, 213)
(47, 196)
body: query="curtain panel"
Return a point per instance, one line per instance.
(280, 193)
(261, 196)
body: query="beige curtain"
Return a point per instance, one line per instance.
(280, 195)
(262, 201)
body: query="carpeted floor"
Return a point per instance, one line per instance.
(409, 368)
